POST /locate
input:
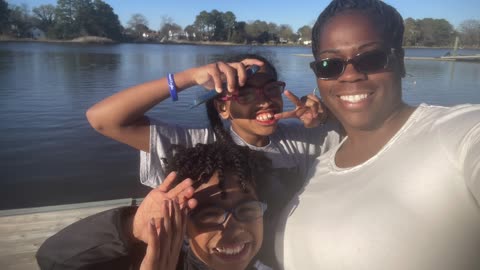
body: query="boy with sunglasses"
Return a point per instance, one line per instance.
(217, 208)
(402, 190)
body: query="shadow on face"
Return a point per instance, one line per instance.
(232, 244)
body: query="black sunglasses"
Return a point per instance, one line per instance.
(367, 62)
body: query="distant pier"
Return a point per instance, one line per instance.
(463, 58)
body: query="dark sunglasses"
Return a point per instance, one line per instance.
(250, 94)
(367, 62)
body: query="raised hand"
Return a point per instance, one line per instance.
(309, 109)
(153, 204)
(164, 243)
(212, 76)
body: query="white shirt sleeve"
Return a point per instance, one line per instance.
(163, 137)
(460, 134)
(471, 157)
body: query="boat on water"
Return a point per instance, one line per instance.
(22, 231)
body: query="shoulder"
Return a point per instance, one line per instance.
(459, 117)
(454, 128)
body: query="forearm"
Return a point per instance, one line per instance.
(127, 107)
(92, 241)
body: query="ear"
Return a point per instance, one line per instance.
(222, 109)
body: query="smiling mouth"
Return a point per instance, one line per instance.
(354, 98)
(265, 116)
(230, 251)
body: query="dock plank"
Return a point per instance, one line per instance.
(22, 231)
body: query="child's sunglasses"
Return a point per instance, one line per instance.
(249, 94)
(367, 62)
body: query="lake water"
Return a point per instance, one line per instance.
(49, 153)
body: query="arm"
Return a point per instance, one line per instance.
(459, 134)
(112, 239)
(471, 147)
(95, 242)
(122, 116)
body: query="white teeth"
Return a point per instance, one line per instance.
(265, 116)
(354, 98)
(230, 251)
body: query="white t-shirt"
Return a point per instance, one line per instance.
(292, 150)
(414, 205)
(292, 147)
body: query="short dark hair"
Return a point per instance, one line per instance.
(385, 15)
(199, 163)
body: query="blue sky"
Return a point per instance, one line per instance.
(296, 13)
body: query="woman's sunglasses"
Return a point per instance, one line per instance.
(367, 62)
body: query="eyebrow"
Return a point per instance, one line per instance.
(368, 44)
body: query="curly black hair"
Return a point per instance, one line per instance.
(199, 163)
(212, 113)
(389, 21)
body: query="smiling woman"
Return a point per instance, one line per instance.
(402, 190)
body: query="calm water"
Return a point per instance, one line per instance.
(50, 155)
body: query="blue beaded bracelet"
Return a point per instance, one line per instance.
(172, 87)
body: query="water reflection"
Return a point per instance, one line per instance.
(50, 155)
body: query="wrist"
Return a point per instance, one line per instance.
(128, 227)
(183, 80)
(172, 87)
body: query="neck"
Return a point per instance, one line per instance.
(363, 144)
(252, 139)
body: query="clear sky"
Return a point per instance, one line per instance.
(296, 13)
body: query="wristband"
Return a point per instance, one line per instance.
(172, 87)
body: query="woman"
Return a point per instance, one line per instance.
(252, 105)
(223, 223)
(402, 190)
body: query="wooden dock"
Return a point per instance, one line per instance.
(22, 231)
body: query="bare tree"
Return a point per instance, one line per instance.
(470, 33)
(138, 23)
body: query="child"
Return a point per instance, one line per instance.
(224, 230)
(252, 106)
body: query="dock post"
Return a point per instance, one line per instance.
(455, 46)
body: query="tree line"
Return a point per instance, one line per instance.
(74, 18)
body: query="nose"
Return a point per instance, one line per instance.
(351, 74)
(262, 98)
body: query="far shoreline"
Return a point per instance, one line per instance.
(107, 41)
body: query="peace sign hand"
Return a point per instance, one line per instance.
(164, 243)
(309, 109)
(152, 207)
